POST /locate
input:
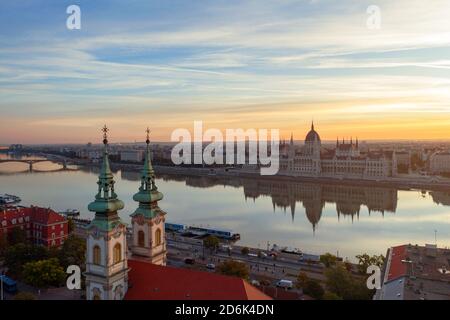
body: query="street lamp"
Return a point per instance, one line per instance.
(1, 289)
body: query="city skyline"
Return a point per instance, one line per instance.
(248, 64)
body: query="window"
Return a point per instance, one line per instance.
(141, 238)
(158, 237)
(96, 255)
(117, 253)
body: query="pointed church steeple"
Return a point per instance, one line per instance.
(148, 193)
(148, 219)
(106, 203)
(106, 243)
(312, 125)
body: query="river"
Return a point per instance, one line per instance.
(317, 218)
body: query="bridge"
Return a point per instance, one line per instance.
(30, 162)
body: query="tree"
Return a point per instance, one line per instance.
(331, 296)
(328, 259)
(364, 261)
(341, 282)
(211, 243)
(18, 255)
(24, 296)
(73, 252)
(417, 162)
(313, 289)
(234, 268)
(245, 251)
(17, 235)
(3, 244)
(302, 278)
(70, 225)
(44, 273)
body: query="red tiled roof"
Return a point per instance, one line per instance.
(152, 282)
(36, 214)
(45, 216)
(397, 268)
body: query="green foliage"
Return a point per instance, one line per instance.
(245, 250)
(70, 225)
(328, 259)
(24, 296)
(234, 268)
(3, 245)
(17, 235)
(18, 255)
(44, 273)
(417, 162)
(331, 296)
(313, 289)
(211, 242)
(364, 261)
(73, 252)
(342, 283)
(302, 278)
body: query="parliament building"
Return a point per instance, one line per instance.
(346, 160)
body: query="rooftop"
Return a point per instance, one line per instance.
(152, 282)
(417, 273)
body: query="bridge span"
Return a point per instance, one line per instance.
(30, 162)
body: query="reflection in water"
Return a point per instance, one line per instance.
(287, 194)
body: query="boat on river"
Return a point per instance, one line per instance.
(9, 199)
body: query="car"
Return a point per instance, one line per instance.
(255, 283)
(253, 255)
(210, 266)
(8, 284)
(263, 254)
(189, 261)
(286, 284)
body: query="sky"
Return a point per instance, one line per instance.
(230, 63)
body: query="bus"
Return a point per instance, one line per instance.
(221, 233)
(177, 227)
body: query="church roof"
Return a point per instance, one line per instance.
(153, 282)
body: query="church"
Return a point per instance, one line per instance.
(117, 271)
(346, 160)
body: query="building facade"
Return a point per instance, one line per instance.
(148, 232)
(41, 225)
(106, 243)
(346, 160)
(439, 162)
(132, 155)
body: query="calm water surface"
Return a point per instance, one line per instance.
(316, 218)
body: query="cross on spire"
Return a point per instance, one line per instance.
(148, 135)
(105, 134)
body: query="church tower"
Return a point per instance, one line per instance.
(106, 247)
(149, 240)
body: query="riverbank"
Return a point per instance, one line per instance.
(401, 183)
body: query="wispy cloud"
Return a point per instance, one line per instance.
(229, 62)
